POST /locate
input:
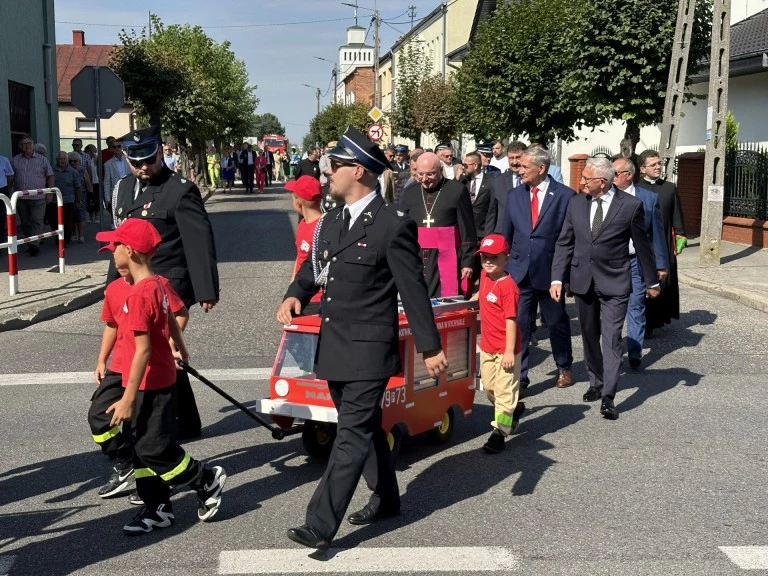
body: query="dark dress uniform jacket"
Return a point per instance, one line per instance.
(187, 254)
(378, 257)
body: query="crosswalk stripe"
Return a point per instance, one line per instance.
(364, 560)
(747, 557)
(227, 375)
(6, 562)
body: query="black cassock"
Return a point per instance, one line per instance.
(661, 310)
(448, 205)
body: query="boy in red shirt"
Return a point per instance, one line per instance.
(500, 341)
(307, 194)
(148, 401)
(111, 439)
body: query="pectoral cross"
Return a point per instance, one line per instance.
(428, 221)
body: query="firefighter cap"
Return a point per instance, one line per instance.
(141, 144)
(354, 147)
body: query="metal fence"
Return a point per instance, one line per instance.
(746, 182)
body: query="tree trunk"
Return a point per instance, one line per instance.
(631, 138)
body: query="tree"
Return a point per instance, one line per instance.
(432, 107)
(195, 88)
(412, 67)
(512, 78)
(266, 124)
(621, 60)
(333, 120)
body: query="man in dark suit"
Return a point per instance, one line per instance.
(365, 254)
(247, 166)
(480, 186)
(187, 254)
(509, 179)
(594, 247)
(270, 165)
(534, 215)
(625, 174)
(309, 166)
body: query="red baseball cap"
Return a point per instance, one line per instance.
(134, 232)
(493, 244)
(305, 187)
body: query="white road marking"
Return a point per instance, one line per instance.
(363, 560)
(5, 564)
(226, 375)
(747, 557)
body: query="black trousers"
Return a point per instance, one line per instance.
(188, 415)
(360, 448)
(246, 172)
(158, 461)
(601, 318)
(111, 439)
(269, 175)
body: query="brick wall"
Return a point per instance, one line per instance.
(361, 83)
(690, 185)
(745, 231)
(577, 161)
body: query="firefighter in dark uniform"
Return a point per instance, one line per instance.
(187, 254)
(366, 252)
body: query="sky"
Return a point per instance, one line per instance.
(278, 54)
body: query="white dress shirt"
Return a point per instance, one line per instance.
(607, 198)
(631, 190)
(500, 163)
(478, 179)
(542, 191)
(356, 208)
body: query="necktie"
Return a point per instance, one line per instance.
(347, 217)
(534, 206)
(518, 180)
(473, 189)
(597, 222)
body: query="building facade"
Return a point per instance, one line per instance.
(27, 75)
(355, 80)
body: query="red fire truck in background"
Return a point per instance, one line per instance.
(273, 143)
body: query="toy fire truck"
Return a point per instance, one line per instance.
(413, 402)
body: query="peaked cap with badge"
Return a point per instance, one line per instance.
(354, 147)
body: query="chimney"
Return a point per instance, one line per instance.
(78, 38)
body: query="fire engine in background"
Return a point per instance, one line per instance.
(273, 143)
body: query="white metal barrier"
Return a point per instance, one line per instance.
(13, 242)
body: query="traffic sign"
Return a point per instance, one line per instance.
(97, 92)
(375, 132)
(375, 113)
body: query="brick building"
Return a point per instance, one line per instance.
(355, 82)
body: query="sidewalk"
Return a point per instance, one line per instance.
(43, 292)
(741, 276)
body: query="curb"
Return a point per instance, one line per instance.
(81, 300)
(749, 299)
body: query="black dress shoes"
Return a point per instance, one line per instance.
(307, 536)
(635, 362)
(608, 410)
(370, 514)
(592, 395)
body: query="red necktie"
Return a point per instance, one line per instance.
(534, 206)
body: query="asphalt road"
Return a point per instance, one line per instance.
(681, 474)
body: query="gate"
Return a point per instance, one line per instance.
(746, 183)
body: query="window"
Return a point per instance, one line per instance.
(85, 125)
(20, 107)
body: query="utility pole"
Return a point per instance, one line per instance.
(676, 83)
(714, 159)
(317, 95)
(376, 86)
(412, 13)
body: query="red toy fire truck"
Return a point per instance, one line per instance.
(413, 402)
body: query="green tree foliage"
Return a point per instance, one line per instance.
(622, 57)
(731, 133)
(412, 67)
(195, 88)
(266, 124)
(334, 119)
(432, 108)
(512, 78)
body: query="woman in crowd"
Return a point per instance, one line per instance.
(214, 172)
(80, 213)
(68, 182)
(228, 168)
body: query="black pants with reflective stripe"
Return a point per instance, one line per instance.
(111, 439)
(158, 461)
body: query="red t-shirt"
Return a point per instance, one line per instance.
(148, 307)
(498, 302)
(115, 310)
(305, 233)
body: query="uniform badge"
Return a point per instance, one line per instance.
(143, 212)
(183, 181)
(119, 210)
(136, 137)
(325, 255)
(368, 215)
(401, 214)
(147, 205)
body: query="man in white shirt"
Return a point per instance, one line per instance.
(115, 169)
(499, 160)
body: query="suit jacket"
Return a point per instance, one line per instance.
(604, 260)
(378, 257)
(531, 248)
(244, 160)
(270, 157)
(654, 226)
(498, 204)
(112, 176)
(187, 254)
(482, 202)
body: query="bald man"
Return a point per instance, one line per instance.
(443, 212)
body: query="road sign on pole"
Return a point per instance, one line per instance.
(375, 113)
(375, 132)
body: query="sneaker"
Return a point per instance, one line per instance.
(495, 443)
(148, 519)
(209, 496)
(118, 481)
(135, 500)
(82, 240)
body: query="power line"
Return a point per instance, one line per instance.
(208, 27)
(393, 28)
(396, 17)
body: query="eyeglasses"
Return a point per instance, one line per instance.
(336, 164)
(468, 164)
(654, 165)
(588, 180)
(620, 172)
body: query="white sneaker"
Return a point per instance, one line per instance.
(209, 496)
(148, 519)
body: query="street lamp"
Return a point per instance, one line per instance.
(334, 73)
(317, 94)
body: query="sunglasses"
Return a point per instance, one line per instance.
(142, 162)
(336, 164)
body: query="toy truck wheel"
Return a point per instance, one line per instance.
(318, 439)
(395, 440)
(442, 433)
